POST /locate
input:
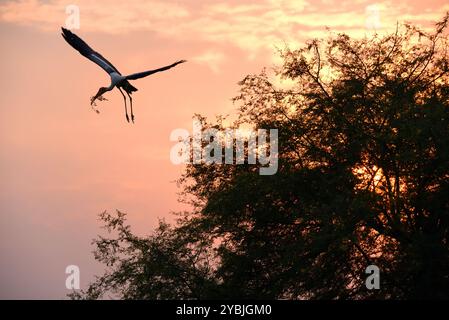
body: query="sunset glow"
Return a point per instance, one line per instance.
(62, 164)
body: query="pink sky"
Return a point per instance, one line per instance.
(61, 164)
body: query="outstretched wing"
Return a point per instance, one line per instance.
(139, 75)
(83, 48)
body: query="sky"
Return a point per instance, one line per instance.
(61, 164)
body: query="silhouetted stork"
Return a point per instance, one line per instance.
(117, 80)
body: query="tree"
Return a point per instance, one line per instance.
(363, 179)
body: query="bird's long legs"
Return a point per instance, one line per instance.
(126, 109)
(131, 102)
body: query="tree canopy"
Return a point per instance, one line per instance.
(363, 179)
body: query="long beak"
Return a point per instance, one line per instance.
(95, 97)
(98, 96)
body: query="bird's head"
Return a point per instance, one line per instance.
(99, 95)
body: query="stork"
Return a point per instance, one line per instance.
(117, 79)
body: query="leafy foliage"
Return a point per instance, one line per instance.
(362, 179)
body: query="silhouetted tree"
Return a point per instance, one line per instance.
(363, 179)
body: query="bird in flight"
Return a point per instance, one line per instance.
(117, 79)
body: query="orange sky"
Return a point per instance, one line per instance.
(61, 163)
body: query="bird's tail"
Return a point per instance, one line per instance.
(129, 87)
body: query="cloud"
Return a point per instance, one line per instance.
(253, 27)
(212, 59)
(112, 17)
